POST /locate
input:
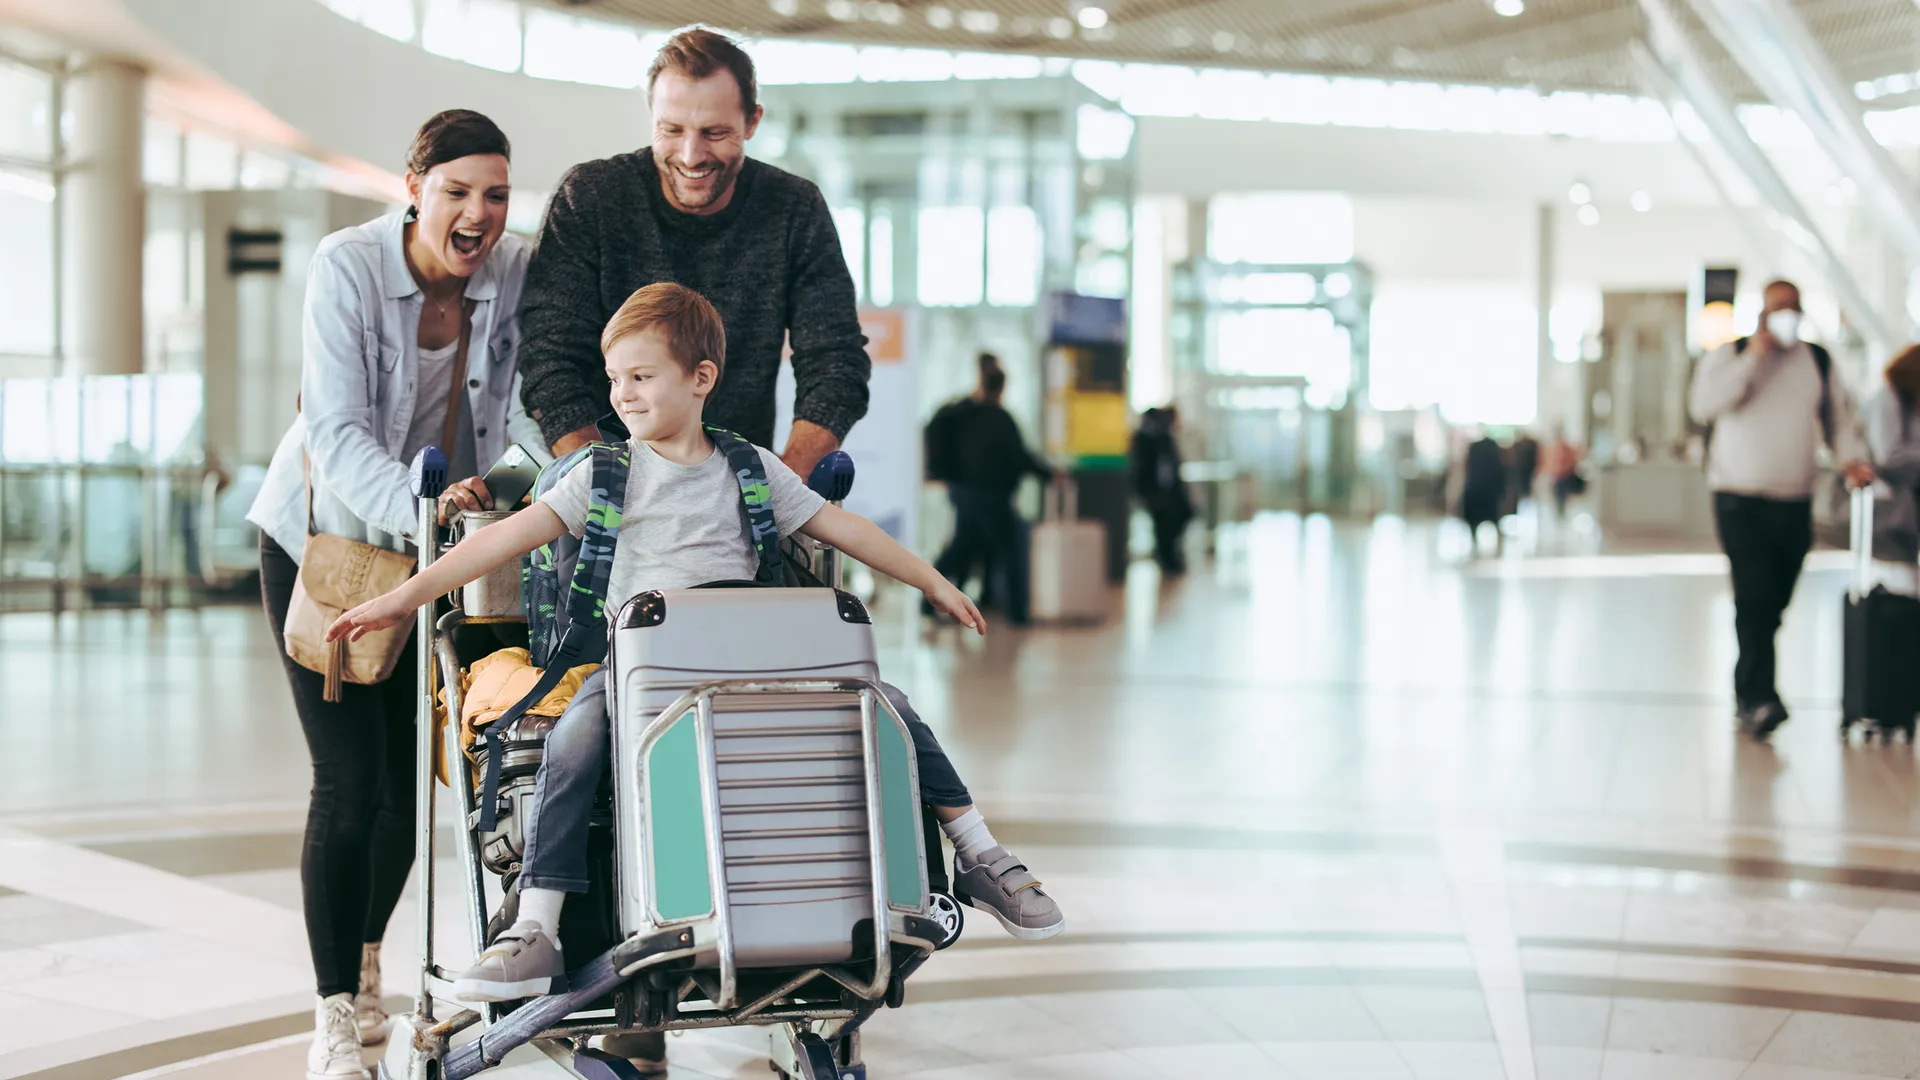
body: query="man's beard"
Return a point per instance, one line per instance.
(692, 200)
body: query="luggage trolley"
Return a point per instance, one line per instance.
(771, 862)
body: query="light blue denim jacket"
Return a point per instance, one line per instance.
(359, 379)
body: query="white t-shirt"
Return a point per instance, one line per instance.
(433, 391)
(681, 526)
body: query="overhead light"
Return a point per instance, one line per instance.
(1641, 202)
(1588, 214)
(1060, 27)
(1337, 284)
(1580, 193)
(1509, 8)
(787, 8)
(1092, 18)
(939, 17)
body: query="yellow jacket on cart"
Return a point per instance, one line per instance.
(491, 686)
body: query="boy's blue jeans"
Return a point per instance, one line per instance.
(578, 753)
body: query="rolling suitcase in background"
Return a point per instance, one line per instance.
(1069, 562)
(1880, 654)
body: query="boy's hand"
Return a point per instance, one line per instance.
(376, 614)
(955, 603)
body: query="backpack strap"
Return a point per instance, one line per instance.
(1824, 361)
(540, 586)
(585, 598)
(756, 502)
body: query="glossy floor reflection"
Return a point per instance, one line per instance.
(1341, 805)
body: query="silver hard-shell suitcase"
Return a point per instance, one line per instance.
(798, 869)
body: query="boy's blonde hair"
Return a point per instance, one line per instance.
(689, 323)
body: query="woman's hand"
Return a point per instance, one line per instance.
(378, 613)
(955, 603)
(468, 494)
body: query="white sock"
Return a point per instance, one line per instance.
(541, 907)
(969, 836)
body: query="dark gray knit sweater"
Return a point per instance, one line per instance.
(770, 263)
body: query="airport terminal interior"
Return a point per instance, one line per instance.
(1361, 674)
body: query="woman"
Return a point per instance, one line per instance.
(386, 304)
(1894, 434)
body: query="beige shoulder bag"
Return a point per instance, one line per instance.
(338, 574)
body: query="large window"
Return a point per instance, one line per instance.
(1468, 347)
(485, 33)
(1280, 227)
(567, 47)
(26, 218)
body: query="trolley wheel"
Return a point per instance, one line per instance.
(816, 1060)
(946, 911)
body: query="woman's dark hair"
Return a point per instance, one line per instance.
(1903, 375)
(452, 135)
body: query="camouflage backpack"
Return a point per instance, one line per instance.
(563, 584)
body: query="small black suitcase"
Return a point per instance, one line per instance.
(1880, 653)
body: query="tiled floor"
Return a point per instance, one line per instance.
(1339, 806)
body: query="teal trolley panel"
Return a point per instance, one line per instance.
(899, 815)
(682, 883)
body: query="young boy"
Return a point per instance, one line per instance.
(665, 350)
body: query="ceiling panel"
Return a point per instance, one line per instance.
(1552, 44)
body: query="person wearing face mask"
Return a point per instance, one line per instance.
(409, 331)
(694, 210)
(1770, 401)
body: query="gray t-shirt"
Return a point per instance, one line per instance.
(681, 526)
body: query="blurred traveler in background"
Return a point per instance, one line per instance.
(1156, 480)
(1769, 402)
(974, 446)
(1560, 467)
(1483, 489)
(1894, 435)
(1524, 465)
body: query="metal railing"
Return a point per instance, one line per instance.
(84, 535)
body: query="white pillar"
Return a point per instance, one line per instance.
(103, 217)
(1547, 398)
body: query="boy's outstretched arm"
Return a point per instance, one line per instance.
(470, 560)
(863, 540)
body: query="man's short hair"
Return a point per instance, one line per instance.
(690, 325)
(698, 52)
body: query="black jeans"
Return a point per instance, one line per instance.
(989, 533)
(1766, 540)
(359, 843)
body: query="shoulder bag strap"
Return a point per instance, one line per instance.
(456, 395)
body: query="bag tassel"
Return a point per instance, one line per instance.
(336, 670)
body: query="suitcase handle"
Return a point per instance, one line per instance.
(1860, 539)
(1063, 501)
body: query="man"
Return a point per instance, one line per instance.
(755, 241)
(982, 459)
(1770, 401)
(1155, 455)
(694, 209)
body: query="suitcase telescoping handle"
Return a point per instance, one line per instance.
(1860, 539)
(1063, 500)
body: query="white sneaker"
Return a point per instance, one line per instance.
(335, 1054)
(369, 1012)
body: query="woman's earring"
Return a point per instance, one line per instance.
(413, 214)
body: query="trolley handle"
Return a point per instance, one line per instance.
(1860, 538)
